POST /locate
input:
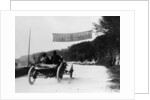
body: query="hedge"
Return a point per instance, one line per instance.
(21, 71)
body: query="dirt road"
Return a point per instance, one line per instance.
(86, 78)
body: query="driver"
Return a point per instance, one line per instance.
(56, 59)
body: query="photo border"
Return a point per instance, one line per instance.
(107, 10)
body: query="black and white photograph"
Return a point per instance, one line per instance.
(67, 54)
(64, 49)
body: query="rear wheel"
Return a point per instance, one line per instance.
(31, 75)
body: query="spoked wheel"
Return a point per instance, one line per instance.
(32, 75)
(71, 71)
(60, 72)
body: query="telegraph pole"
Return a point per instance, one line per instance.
(29, 46)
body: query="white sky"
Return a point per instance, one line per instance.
(42, 28)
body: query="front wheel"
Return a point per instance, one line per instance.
(32, 75)
(60, 73)
(71, 71)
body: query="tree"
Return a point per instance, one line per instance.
(108, 44)
(108, 24)
(82, 51)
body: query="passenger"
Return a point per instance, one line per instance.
(45, 59)
(46, 62)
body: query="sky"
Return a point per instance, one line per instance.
(42, 28)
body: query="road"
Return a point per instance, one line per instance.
(86, 78)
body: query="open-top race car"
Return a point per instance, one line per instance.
(38, 70)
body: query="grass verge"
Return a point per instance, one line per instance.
(114, 73)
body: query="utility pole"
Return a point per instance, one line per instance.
(29, 46)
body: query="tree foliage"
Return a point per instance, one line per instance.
(107, 45)
(108, 25)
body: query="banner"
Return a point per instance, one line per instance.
(67, 37)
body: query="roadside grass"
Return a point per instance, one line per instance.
(114, 72)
